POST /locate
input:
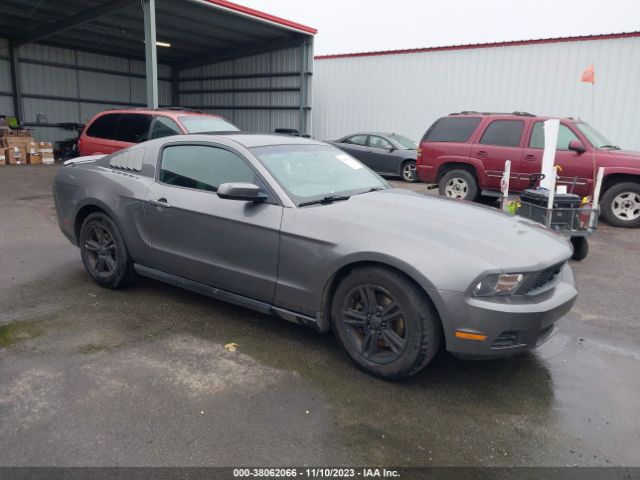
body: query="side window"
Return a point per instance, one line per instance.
(452, 129)
(133, 128)
(204, 168)
(104, 126)
(565, 135)
(358, 140)
(378, 142)
(164, 127)
(504, 133)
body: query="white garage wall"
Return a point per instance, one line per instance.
(405, 93)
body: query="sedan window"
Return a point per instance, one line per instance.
(203, 167)
(357, 140)
(379, 142)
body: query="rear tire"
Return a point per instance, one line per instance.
(409, 172)
(104, 252)
(384, 323)
(459, 184)
(580, 248)
(621, 205)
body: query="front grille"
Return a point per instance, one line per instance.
(543, 278)
(505, 340)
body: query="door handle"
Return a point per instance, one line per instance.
(161, 202)
(481, 153)
(529, 157)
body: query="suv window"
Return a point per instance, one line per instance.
(164, 127)
(357, 140)
(505, 133)
(452, 129)
(104, 126)
(565, 135)
(204, 167)
(133, 127)
(378, 142)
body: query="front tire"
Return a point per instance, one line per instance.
(621, 205)
(409, 173)
(384, 323)
(580, 248)
(104, 252)
(459, 184)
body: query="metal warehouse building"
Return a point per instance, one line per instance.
(63, 61)
(405, 91)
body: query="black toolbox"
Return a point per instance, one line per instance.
(565, 213)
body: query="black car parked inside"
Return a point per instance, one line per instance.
(384, 153)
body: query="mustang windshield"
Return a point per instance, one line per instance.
(314, 172)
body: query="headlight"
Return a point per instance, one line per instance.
(498, 284)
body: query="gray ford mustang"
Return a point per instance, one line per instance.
(301, 230)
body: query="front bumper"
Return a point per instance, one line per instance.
(511, 324)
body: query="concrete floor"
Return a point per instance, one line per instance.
(141, 377)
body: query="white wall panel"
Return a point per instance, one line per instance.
(405, 93)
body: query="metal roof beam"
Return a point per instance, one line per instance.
(76, 20)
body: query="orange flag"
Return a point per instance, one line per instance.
(589, 75)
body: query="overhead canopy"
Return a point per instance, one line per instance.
(199, 31)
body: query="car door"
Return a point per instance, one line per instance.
(500, 141)
(356, 146)
(576, 170)
(380, 157)
(228, 244)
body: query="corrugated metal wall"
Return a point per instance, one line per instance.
(257, 93)
(405, 93)
(6, 90)
(61, 85)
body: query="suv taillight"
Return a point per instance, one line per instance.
(419, 157)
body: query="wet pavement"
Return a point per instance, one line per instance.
(141, 376)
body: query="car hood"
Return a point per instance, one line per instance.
(423, 226)
(623, 158)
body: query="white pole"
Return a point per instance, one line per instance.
(504, 183)
(552, 195)
(596, 196)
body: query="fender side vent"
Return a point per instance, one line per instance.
(130, 160)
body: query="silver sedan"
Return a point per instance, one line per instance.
(301, 230)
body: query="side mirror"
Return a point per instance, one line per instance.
(241, 191)
(577, 146)
(391, 149)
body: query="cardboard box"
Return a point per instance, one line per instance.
(13, 156)
(45, 147)
(32, 148)
(47, 158)
(3, 160)
(34, 158)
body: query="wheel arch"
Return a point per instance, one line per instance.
(87, 208)
(332, 283)
(615, 178)
(457, 165)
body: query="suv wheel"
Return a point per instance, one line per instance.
(384, 323)
(621, 205)
(104, 252)
(409, 173)
(459, 184)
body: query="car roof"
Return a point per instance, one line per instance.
(510, 115)
(165, 112)
(250, 140)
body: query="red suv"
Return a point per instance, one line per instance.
(113, 130)
(464, 153)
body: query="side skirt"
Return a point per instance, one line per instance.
(229, 297)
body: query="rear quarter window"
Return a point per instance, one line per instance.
(451, 129)
(104, 126)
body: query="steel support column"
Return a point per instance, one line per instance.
(175, 87)
(151, 54)
(303, 88)
(16, 84)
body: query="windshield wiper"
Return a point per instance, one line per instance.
(613, 147)
(325, 200)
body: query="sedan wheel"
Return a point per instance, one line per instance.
(384, 323)
(409, 173)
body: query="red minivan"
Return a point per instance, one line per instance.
(113, 130)
(464, 153)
